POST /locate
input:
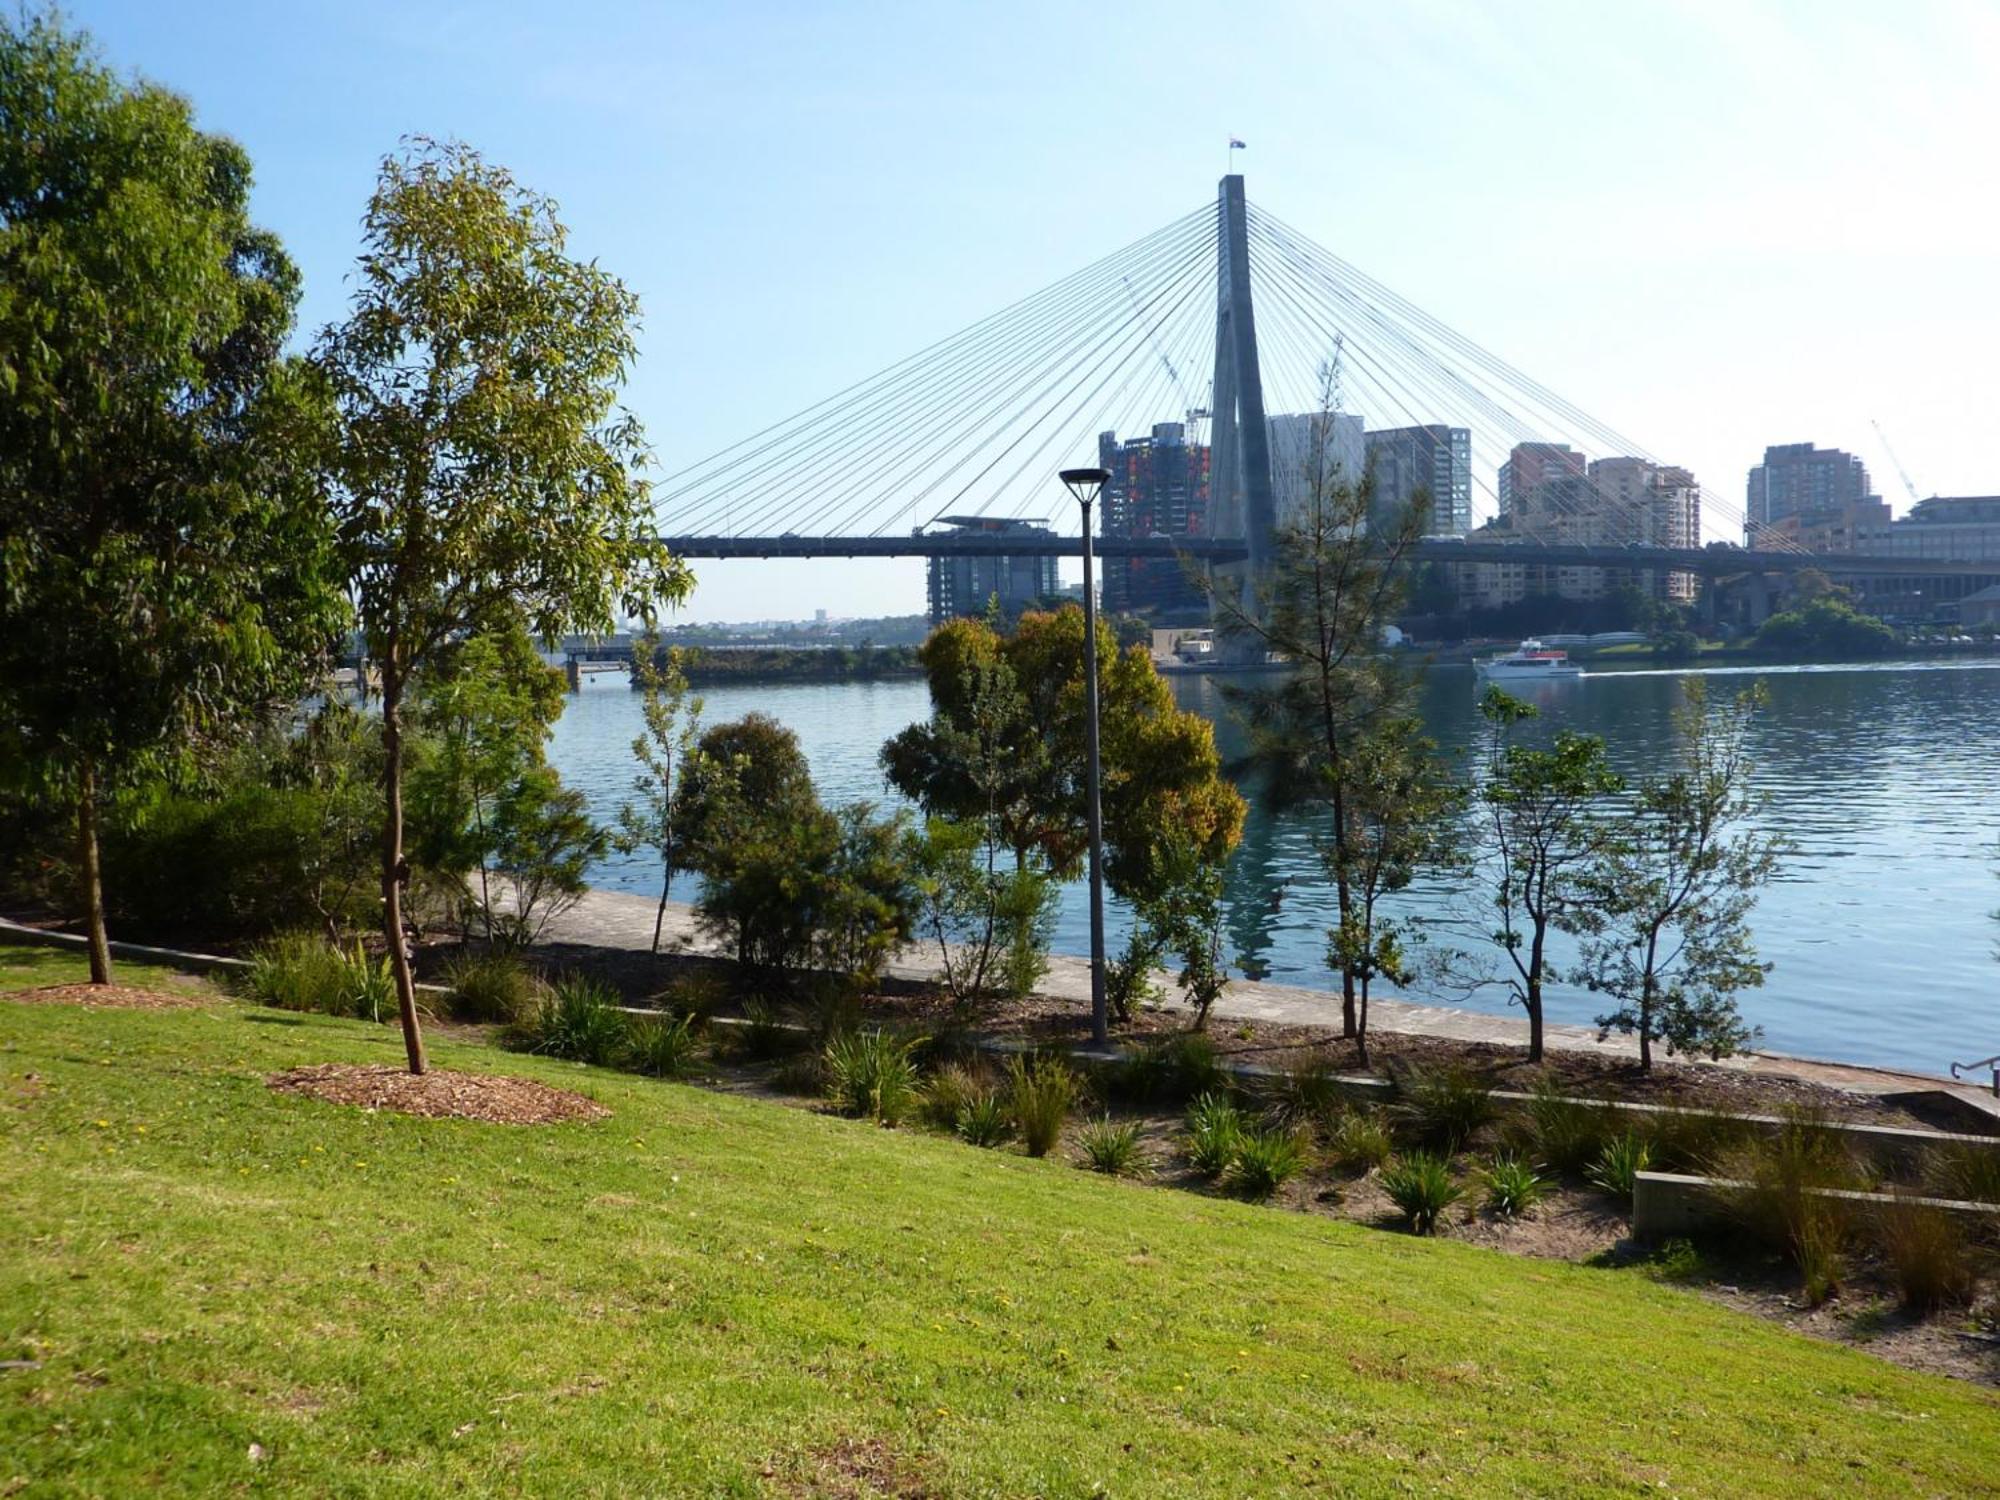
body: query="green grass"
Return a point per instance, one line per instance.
(25, 968)
(706, 1294)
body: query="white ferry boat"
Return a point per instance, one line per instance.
(1532, 660)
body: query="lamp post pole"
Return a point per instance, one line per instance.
(1086, 485)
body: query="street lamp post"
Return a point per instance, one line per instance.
(1086, 485)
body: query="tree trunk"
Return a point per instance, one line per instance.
(1361, 1030)
(1534, 994)
(394, 870)
(660, 916)
(89, 879)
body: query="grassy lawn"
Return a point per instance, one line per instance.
(24, 968)
(706, 1295)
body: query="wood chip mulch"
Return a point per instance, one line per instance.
(106, 997)
(439, 1095)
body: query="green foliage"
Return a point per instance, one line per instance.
(1041, 1092)
(992, 922)
(870, 1074)
(950, 1089)
(302, 971)
(1691, 1140)
(1265, 1160)
(1442, 1109)
(1828, 627)
(488, 988)
(1173, 1069)
(1968, 1173)
(166, 569)
(1619, 1162)
(1564, 1133)
(1303, 1097)
(1678, 1261)
(1109, 1147)
(1128, 974)
(1358, 1141)
(1214, 1129)
(983, 1120)
(1421, 1187)
(1180, 905)
(1782, 1201)
(763, 1033)
(1928, 1253)
(665, 1048)
(1670, 888)
(578, 1019)
(1512, 1185)
(481, 473)
(1539, 824)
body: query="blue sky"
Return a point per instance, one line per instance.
(1715, 224)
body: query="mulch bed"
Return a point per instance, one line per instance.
(438, 1094)
(105, 997)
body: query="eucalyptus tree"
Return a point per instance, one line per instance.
(483, 471)
(166, 569)
(1670, 888)
(664, 752)
(1541, 817)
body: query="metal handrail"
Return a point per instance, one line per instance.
(1992, 1062)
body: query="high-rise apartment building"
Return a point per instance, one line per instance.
(1530, 466)
(1433, 459)
(1798, 479)
(968, 584)
(1159, 486)
(1300, 443)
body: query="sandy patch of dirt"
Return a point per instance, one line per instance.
(439, 1094)
(106, 997)
(851, 1469)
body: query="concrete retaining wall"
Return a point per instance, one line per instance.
(1673, 1205)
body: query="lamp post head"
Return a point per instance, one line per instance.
(1085, 483)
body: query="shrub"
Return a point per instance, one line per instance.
(1781, 1203)
(1214, 1127)
(982, 1120)
(1676, 1260)
(1619, 1164)
(1358, 1141)
(1264, 1161)
(1174, 1069)
(1968, 1173)
(699, 993)
(1565, 1134)
(579, 1020)
(1109, 1148)
(869, 1074)
(1927, 1252)
(802, 1075)
(1420, 1186)
(1307, 1096)
(1513, 1186)
(666, 1048)
(1685, 1140)
(1442, 1109)
(763, 1034)
(302, 971)
(488, 988)
(1040, 1094)
(950, 1089)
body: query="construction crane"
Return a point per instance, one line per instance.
(1901, 472)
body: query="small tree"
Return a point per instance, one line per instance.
(1670, 888)
(663, 751)
(166, 569)
(1338, 581)
(1401, 811)
(1539, 819)
(1182, 915)
(482, 469)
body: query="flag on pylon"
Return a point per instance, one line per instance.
(1235, 145)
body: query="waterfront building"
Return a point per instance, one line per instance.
(1944, 528)
(967, 585)
(1531, 465)
(1433, 459)
(1800, 479)
(1159, 486)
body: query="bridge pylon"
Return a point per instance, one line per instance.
(1241, 499)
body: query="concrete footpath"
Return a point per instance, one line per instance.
(615, 919)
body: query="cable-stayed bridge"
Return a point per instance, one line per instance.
(1218, 321)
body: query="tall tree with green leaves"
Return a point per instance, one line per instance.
(1670, 889)
(166, 567)
(1339, 579)
(669, 742)
(483, 470)
(1541, 815)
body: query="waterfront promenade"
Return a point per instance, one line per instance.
(617, 919)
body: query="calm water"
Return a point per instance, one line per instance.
(1886, 777)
